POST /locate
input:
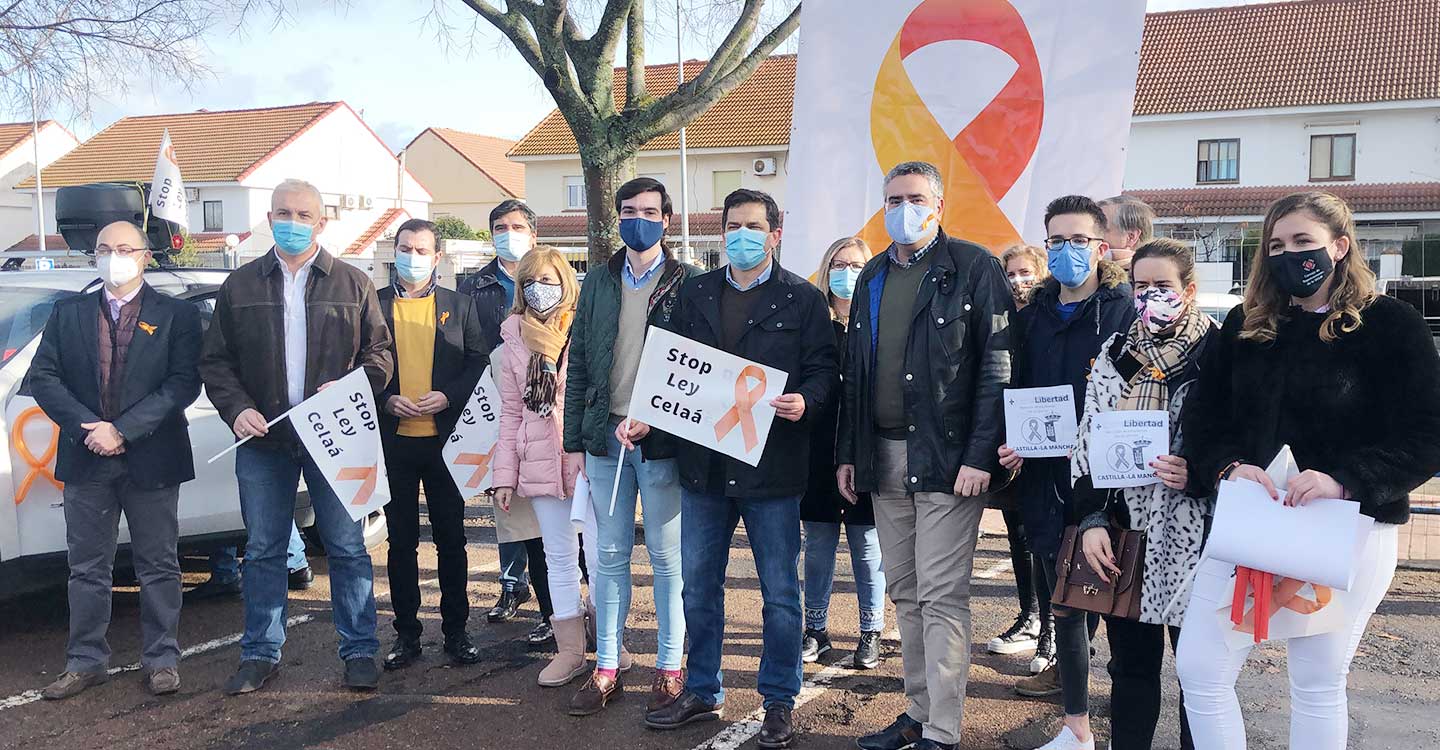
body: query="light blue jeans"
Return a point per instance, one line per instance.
(225, 567)
(821, 541)
(658, 485)
(268, 481)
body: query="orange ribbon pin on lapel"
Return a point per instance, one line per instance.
(743, 412)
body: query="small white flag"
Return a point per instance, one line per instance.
(471, 447)
(167, 190)
(340, 428)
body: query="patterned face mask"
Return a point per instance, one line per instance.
(1159, 308)
(542, 297)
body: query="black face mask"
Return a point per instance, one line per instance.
(1301, 274)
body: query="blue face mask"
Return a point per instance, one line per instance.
(842, 282)
(908, 223)
(414, 268)
(511, 247)
(641, 234)
(745, 248)
(1070, 265)
(292, 237)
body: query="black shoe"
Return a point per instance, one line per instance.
(1023, 635)
(687, 709)
(301, 578)
(405, 652)
(542, 635)
(510, 601)
(902, 733)
(251, 676)
(867, 653)
(462, 650)
(212, 589)
(932, 745)
(361, 673)
(776, 731)
(1044, 650)
(817, 644)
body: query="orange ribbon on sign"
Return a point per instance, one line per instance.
(742, 413)
(984, 160)
(1271, 596)
(39, 467)
(481, 462)
(367, 473)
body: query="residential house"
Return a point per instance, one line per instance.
(17, 163)
(467, 174)
(232, 160)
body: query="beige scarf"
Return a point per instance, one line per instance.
(1160, 360)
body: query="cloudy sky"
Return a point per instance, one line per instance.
(391, 60)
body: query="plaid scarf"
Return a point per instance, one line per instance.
(1160, 359)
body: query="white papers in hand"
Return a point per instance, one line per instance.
(1319, 542)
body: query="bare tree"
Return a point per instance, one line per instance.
(577, 69)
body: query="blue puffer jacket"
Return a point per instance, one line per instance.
(1049, 351)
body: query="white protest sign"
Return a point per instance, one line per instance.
(1124, 443)
(1040, 422)
(338, 426)
(469, 449)
(1319, 541)
(706, 396)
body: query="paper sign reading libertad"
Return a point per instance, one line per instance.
(1040, 422)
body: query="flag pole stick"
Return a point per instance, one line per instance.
(247, 438)
(619, 466)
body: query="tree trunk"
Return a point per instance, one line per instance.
(602, 177)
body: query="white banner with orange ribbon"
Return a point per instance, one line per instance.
(705, 395)
(1016, 101)
(471, 446)
(341, 429)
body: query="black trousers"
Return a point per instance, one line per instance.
(410, 461)
(1024, 567)
(1137, 656)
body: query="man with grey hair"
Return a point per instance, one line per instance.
(920, 423)
(286, 326)
(1129, 223)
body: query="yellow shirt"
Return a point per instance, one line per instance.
(415, 350)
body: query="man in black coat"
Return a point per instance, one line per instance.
(920, 422)
(756, 310)
(115, 370)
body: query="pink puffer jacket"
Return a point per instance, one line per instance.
(529, 456)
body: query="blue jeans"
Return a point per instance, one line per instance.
(821, 541)
(512, 567)
(658, 484)
(773, 526)
(268, 482)
(225, 567)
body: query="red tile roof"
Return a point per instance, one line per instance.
(1253, 201)
(211, 146)
(1289, 54)
(487, 154)
(369, 236)
(573, 225)
(755, 113)
(12, 134)
(206, 242)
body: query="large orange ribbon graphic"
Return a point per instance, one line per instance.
(743, 412)
(1271, 596)
(984, 160)
(481, 462)
(39, 467)
(367, 488)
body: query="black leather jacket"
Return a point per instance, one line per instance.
(957, 364)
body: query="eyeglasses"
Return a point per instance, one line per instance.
(123, 251)
(840, 265)
(1079, 241)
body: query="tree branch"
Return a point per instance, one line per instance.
(724, 58)
(635, 93)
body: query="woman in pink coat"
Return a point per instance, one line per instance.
(529, 460)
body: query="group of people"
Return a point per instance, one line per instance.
(890, 427)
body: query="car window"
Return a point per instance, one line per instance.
(23, 312)
(206, 306)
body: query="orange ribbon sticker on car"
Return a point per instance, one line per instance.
(42, 467)
(481, 462)
(367, 488)
(743, 412)
(1271, 595)
(985, 159)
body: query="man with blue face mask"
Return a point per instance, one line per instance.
(286, 326)
(756, 310)
(1056, 339)
(926, 363)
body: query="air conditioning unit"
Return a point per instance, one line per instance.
(365, 202)
(763, 167)
(192, 194)
(349, 201)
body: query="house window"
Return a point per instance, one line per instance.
(1332, 157)
(1218, 161)
(332, 212)
(574, 193)
(723, 183)
(214, 216)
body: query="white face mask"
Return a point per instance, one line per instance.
(118, 270)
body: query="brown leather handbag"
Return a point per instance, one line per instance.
(1079, 587)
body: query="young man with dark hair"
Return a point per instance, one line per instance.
(439, 352)
(756, 310)
(638, 287)
(1056, 339)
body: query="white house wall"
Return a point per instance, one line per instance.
(17, 207)
(545, 178)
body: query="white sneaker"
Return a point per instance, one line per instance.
(1066, 740)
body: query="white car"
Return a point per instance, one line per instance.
(32, 521)
(1217, 305)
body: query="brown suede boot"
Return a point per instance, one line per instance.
(569, 661)
(599, 690)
